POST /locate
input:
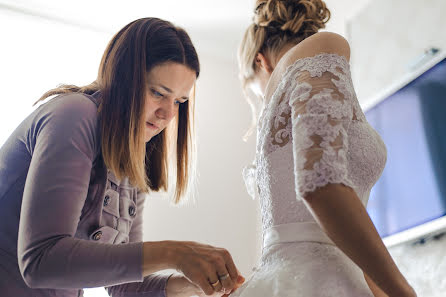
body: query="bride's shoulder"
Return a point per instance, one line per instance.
(322, 42)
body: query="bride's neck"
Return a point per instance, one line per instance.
(282, 53)
(275, 60)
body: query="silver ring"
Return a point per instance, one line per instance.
(223, 277)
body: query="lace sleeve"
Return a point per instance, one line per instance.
(320, 95)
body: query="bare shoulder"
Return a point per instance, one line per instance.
(322, 42)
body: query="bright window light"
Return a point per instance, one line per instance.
(37, 55)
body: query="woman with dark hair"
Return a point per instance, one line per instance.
(75, 172)
(317, 159)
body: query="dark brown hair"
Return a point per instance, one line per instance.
(122, 81)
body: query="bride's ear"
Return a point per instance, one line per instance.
(263, 63)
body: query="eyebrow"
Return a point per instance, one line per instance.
(170, 91)
(166, 88)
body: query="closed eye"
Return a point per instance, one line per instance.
(156, 93)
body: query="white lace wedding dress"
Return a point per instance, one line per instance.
(312, 132)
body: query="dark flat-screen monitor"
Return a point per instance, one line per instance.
(411, 119)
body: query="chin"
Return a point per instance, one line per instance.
(150, 134)
(148, 137)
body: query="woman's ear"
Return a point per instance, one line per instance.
(264, 63)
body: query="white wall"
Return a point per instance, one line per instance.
(36, 55)
(387, 36)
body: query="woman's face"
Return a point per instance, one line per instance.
(170, 85)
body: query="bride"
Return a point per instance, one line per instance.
(316, 160)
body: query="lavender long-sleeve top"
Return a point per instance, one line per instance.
(66, 222)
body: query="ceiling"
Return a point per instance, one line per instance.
(216, 26)
(109, 16)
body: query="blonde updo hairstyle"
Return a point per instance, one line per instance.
(275, 24)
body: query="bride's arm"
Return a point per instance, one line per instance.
(321, 100)
(345, 220)
(377, 292)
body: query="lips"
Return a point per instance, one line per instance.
(152, 126)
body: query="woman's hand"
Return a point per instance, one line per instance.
(180, 286)
(210, 268)
(238, 284)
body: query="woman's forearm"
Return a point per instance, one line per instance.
(157, 256)
(346, 221)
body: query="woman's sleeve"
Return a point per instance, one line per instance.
(320, 95)
(63, 144)
(153, 285)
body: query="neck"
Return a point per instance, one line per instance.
(274, 62)
(282, 52)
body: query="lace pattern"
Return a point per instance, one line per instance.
(314, 110)
(311, 133)
(321, 272)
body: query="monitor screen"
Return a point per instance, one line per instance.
(412, 124)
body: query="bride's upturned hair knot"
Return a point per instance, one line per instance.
(294, 17)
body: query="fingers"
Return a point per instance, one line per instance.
(225, 279)
(211, 283)
(238, 284)
(206, 287)
(240, 280)
(230, 266)
(216, 285)
(218, 272)
(226, 271)
(220, 278)
(211, 268)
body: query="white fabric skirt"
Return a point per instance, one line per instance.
(299, 260)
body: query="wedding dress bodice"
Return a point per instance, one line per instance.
(312, 132)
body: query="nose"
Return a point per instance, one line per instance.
(166, 110)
